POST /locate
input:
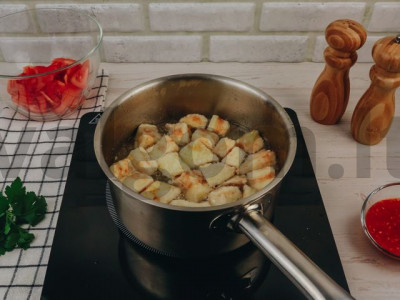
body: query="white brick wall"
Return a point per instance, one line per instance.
(258, 48)
(307, 16)
(113, 17)
(219, 30)
(24, 24)
(152, 49)
(385, 17)
(23, 49)
(51, 21)
(201, 16)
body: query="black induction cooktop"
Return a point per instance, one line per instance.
(92, 259)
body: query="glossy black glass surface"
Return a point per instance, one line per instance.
(90, 259)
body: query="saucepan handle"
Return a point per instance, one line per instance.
(307, 276)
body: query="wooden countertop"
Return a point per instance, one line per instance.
(346, 171)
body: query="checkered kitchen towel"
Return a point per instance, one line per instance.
(40, 154)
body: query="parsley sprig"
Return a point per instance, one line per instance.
(19, 207)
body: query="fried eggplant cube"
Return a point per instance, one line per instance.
(218, 125)
(258, 179)
(217, 173)
(224, 195)
(235, 157)
(196, 154)
(141, 161)
(238, 180)
(147, 135)
(259, 160)
(223, 147)
(248, 191)
(195, 120)
(137, 181)
(172, 165)
(179, 132)
(122, 168)
(251, 142)
(161, 191)
(208, 138)
(163, 146)
(195, 187)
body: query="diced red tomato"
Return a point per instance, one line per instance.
(24, 97)
(61, 62)
(42, 81)
(34, 108)
(57, 92)
(29, 70)
(70, 96)
(70, 72)
(12, 87)
(47, 98)
(79, 79)
(41, 101)
(15, 98)
(54, 90)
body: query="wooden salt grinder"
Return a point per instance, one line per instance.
(330, 94)
(374, 112)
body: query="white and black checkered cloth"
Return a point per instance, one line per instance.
(40, 154)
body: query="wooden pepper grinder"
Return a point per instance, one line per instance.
(374, 112)
(330, 94)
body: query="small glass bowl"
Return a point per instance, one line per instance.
(384, 192)
(49, 60)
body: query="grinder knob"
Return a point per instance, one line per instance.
(374, 112)
(330, 94)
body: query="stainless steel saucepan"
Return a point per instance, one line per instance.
(194, 232)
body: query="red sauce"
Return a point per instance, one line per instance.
(383, 223)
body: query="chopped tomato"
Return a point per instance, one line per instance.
(15, 98)
(79, 79)
(57, 92)
(41, 101)
(47, 98)
(29, 83)
(42, 81)
(61, 62)
(23, 96)
(69, 97)
(34, 108)
(70, 72)
(29, 70)
(54, 90)
(12, 87)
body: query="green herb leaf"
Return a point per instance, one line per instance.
(8, 222)
(11, 239)
(25, 239)
(31, 210)
(16, 208)
(4, 205)
(16, 191)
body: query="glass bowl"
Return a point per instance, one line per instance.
(380, 219)
(49, 60)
